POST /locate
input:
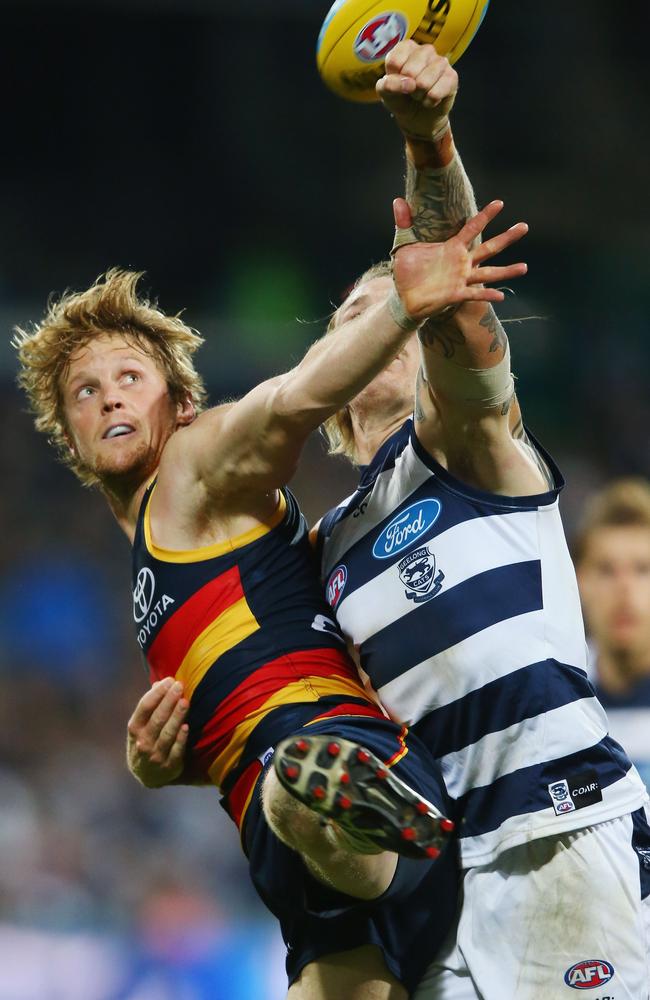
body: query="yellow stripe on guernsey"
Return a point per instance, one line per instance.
(307, 689)
(210, 551)
(233, 625)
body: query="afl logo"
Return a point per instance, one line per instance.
(379, 36)
(405, 529)
(588, 975)
(143, 592)
(336, 585)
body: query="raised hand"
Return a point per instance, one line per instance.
(157, 735)
(429, 277)
(418, 89)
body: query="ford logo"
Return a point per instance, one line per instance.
(405, 529)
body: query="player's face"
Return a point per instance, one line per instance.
(614, 578)
(396, 383)
(118, 410)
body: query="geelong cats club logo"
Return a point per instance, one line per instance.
(417, 571)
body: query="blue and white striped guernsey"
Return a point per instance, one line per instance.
(465, 610)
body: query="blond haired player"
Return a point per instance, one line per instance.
(226, 603)
(612, 555)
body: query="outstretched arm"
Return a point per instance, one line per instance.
(419, 90)
(466, 410)
(254, 445)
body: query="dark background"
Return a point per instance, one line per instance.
(196, 142)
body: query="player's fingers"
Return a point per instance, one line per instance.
(424, 58)
(177, 750)
(172, 726)
(395, 84)
(148, 703)
(475, 226)
(398, 56)
(492, 274)
(445, 87)
(402, 213)
(478, 293)
(440, 78)
(498, 243)
(164, 710)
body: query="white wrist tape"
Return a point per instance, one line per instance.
(487, 387)
(437, 131)
(399, 313)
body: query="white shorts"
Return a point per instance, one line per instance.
(552, 917)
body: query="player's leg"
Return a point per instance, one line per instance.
(358, 974)
(342, 948)
(342, 806)
(325, 853)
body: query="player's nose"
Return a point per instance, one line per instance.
(111, 401)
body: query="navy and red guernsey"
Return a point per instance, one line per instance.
(243, 625)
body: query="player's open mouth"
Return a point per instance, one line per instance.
(118, 431)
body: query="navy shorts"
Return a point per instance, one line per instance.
(409, 922)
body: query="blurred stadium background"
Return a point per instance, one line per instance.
(195, 141)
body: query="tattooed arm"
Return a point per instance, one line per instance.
(481, 442)
(419, 91)
(466, 412)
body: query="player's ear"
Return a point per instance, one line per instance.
(185, 412)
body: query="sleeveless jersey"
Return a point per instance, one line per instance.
(465, 610)
(243, 625)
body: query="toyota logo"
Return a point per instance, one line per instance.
(145, 586)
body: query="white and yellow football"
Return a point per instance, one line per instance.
(357, 35)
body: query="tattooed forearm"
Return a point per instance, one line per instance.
(443, 335)
(491, 323)
(441, 200)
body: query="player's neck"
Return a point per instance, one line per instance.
(619, 670)
(371, 428)
(125, 500)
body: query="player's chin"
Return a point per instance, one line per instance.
(626, 636)
(124, 461)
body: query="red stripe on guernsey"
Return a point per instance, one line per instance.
(350, 708)
(238, 801)
(175, 638)
(257, 688)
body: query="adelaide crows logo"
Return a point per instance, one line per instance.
(417, 571)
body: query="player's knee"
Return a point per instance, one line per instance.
(292, 822)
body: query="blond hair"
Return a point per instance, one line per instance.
(623, 503)
(110, 306)
(337, 429)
